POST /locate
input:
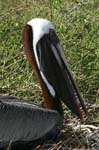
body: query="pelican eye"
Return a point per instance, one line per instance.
(51, 32)
(53, 36)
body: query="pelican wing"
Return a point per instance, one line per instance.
(21, 121)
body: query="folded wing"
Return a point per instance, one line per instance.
(21, 121)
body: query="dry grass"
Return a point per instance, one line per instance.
(76, 135)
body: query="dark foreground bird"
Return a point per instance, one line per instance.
(22, 121)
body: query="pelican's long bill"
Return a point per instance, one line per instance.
(52, 65)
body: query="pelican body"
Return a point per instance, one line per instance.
(23, 121)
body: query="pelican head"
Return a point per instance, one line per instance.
(43, 50)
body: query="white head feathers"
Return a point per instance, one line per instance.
(39, 27)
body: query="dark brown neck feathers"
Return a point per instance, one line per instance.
(49, 101)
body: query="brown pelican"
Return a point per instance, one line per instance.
(22, 121)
